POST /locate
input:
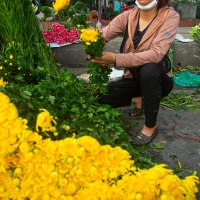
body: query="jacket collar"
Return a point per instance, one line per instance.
(155, 25)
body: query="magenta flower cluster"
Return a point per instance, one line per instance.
(60, 34)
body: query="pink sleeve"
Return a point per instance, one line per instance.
(115, 27)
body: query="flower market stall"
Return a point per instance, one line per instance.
(57, 141)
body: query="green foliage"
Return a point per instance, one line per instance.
(180, 100)
(73, 102)
(74, 15)
(157, 146)
(88, 3)
(99, 74)
(13, 70)
(46, 11)
(193, 69)
(171, 58)
(22, 38)
(195, 33)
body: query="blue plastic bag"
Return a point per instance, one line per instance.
(187, 79)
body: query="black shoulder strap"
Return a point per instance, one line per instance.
(124, 38)
(132, 70)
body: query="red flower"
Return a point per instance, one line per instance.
(94, 15)
(60, 35)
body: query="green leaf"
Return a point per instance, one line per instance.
(26, 94)
(19, 77)
(157, 145)
(90, 115)
(84, 105)
(52, 99)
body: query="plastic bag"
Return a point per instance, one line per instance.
(187, 79)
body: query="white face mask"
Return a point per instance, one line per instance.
(148, 6)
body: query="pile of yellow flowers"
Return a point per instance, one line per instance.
(76, 168)
(60, 5)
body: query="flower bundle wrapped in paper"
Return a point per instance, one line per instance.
(94, 46)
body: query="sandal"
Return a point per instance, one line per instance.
(141, 139)
(136, 112)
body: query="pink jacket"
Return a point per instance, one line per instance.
(155, 43)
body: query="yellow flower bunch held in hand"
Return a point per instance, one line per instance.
(94, 46)
(60, 5)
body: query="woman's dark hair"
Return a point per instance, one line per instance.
(162, 3)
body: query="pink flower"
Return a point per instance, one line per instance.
(60, 35)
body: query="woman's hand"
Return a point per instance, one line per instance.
(106, 59)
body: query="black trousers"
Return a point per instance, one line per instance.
(150, 82)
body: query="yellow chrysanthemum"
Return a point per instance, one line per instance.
(11, 57)
(12, 112)
(24, 147)
(4, 99)
(88, 43)
(66, 127)
(60, 5)
(89, 35)
(44, 120)
(2, 83)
